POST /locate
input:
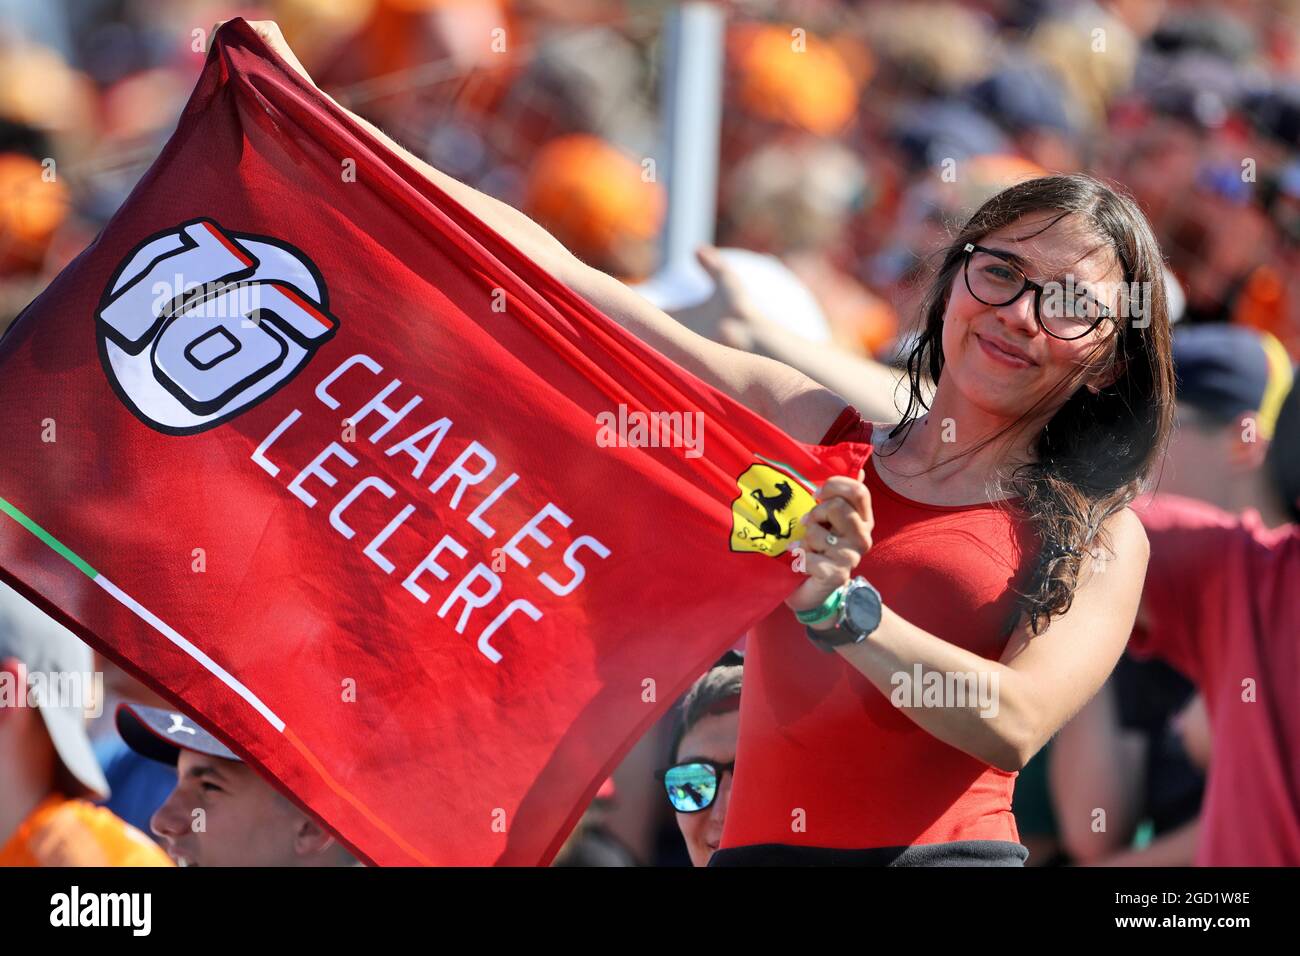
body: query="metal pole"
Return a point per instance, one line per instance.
(692, 111)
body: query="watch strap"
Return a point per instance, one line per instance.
(843, 633)
(824, 611)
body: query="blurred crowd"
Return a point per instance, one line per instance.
(854, 136)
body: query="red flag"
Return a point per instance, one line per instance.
(399, 517)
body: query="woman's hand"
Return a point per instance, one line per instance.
(269, 31)
(837, 536)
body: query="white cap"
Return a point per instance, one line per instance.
(46, 647)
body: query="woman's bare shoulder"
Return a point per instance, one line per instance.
(809, 413)
(803, 409)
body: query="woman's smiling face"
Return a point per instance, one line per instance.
(998, 357)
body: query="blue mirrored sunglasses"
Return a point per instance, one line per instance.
(693, 786)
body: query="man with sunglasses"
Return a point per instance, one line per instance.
(698, 783)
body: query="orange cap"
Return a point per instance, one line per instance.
(33, 203)
(591, 196)
(784, 74)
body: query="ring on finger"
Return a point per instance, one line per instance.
(832, 540)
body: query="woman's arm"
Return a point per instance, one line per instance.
(873, 387)
(1039, 683)
(787, 398)
(732, 317)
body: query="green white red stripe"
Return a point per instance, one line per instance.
(143, 613)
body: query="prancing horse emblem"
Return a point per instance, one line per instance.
(765, 516)
(773, 504)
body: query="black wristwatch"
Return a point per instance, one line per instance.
(859, 616)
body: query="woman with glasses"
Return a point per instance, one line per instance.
(977, 587)
(973, 587)
(703, 752)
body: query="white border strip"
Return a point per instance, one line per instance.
(208, 663)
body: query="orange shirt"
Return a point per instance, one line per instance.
(65, 832)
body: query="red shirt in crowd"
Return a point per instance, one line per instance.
(1222, 604)
(824, 758)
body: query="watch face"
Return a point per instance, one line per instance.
(862, 609)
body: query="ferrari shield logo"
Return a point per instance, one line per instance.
(765, 516)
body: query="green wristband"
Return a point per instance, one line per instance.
(826, 609)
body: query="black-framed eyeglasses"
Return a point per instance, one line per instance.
(693, 785)
(993, 278)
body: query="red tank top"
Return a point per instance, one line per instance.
(816, 736)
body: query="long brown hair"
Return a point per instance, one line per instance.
(1094, 454)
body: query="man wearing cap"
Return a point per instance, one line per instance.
(222, 813)
(1231, 383)
(47, 766)
(1220, 605)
